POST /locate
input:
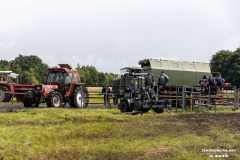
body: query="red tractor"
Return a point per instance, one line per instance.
(9, 87)
(63, 85)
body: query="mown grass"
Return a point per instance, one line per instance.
(65, 133)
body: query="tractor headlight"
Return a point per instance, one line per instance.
(38, 87)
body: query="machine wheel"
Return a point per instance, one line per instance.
(158, 110)
(124, 107)
(138, 105)
(54, 99)
(36, 104)
(4, 97)
(77, 99)
(27, 99)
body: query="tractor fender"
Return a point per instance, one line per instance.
(81, 86)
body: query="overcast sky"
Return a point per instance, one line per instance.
(112, 34)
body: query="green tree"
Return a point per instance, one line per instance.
(228, 64)
(102, 78)
(220, 62)
(15, 67)
(91, 76)
(4, 65)
(29, 78)
(28, 62)
(233, 75)
(87, 76)
(110, 77)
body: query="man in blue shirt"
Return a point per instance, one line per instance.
(220, 82)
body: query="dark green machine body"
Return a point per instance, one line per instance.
(182, 75)
(127, 80)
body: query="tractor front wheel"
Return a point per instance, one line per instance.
(54, 99)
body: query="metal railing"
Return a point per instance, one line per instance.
(182, 98)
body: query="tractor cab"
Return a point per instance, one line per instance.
(64, 78)
(59, 75)
(8, 76)
(56, 76)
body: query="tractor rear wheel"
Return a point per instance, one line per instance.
(78, 98)
(4, 97)
(54, 99)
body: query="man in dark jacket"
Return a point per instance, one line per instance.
(163, 79)
(212, 84)
(149, 80)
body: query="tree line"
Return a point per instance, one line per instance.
(228, 64)
(32, 70)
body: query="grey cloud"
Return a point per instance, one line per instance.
(113, 34)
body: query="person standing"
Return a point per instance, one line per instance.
(211, 83)
(163, 79)
(220, 81)
(149, 80)
(105, 92)
(203, 82)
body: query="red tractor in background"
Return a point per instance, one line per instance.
(10, 88)
(63, 85)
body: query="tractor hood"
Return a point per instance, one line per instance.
(46, 88)
(49, 88)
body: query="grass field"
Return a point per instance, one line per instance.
(65, 133)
